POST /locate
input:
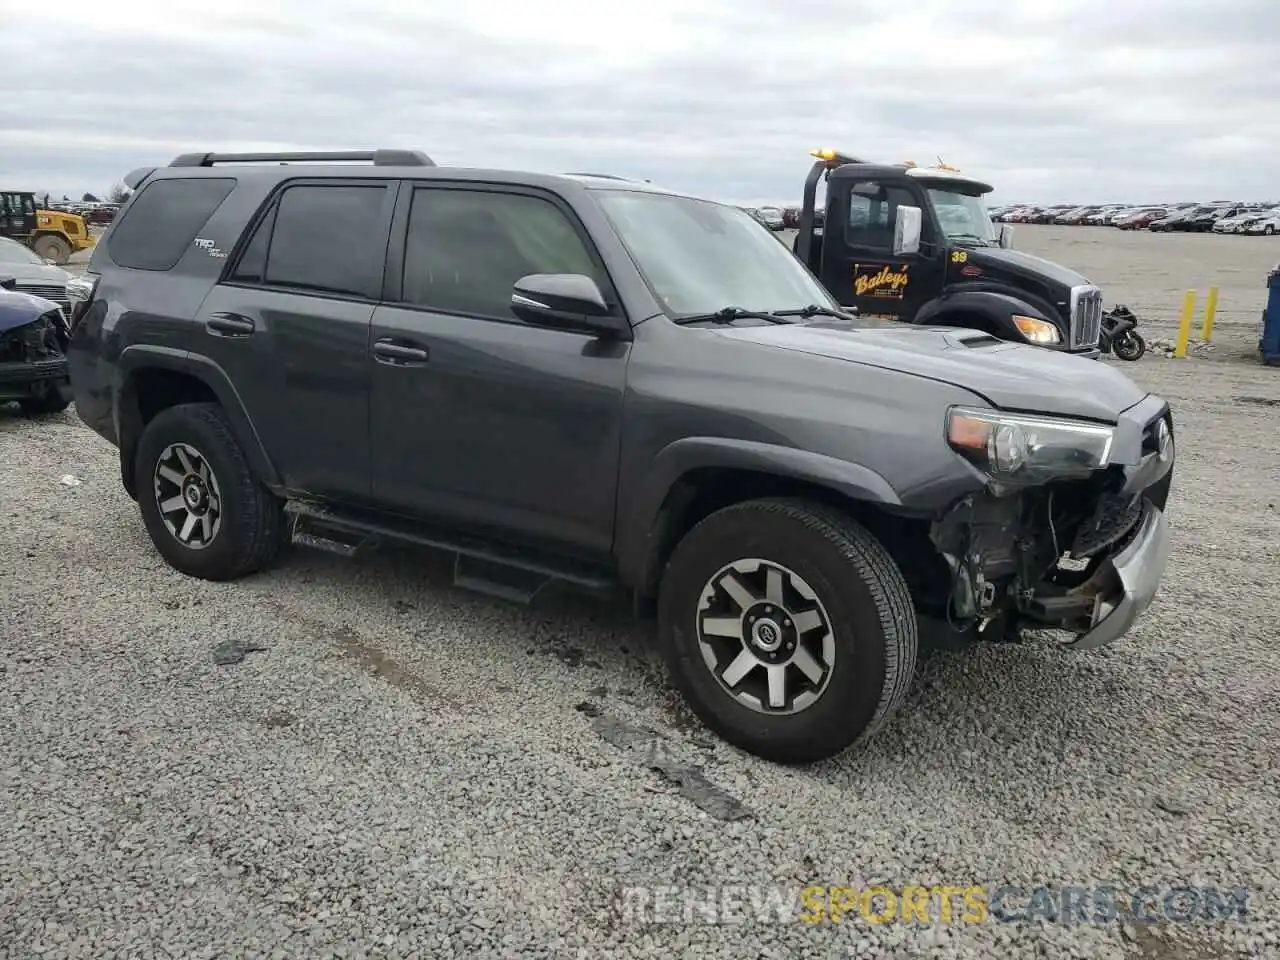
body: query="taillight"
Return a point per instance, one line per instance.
(80, 292)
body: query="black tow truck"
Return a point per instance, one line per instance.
(917, 244)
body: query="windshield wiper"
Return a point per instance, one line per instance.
(728, 315)
(983, 241)
(813, 310)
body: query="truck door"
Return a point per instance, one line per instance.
(858, 264)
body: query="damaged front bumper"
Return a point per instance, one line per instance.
(21, 380)
(1084, 556)
(1126, 583)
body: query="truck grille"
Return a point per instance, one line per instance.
(57, 292)
(1086, 316)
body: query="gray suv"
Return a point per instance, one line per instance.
(587, 379)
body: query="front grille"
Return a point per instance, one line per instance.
(1114, 517)
(1086, 316)
(71, 226)
(57, 292)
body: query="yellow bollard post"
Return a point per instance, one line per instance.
(1210, 311)
(1184, 327)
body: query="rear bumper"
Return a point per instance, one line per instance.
(1127, 583)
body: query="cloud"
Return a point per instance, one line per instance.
(1055, 99)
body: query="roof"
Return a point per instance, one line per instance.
(387, 166)
(931, 174)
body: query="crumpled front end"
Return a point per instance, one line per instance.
(33, 347)
(1083, 554)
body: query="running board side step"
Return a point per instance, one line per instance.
(499, 570)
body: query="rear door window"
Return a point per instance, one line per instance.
(165, 218)
(326, 238)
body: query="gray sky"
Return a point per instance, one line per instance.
(1050, 100)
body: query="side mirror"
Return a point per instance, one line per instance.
(906, 231)
(1006, 236)
(565, 301)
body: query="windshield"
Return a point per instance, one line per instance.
(13, 252)
(962, 217)
(700, 257)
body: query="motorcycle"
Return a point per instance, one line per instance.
(1119, 336)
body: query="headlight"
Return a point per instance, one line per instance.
(1012, 448)
(1036, 331)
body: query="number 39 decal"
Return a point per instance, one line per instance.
(960, 256)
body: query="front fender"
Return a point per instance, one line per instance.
(640, 529)
(127, 415)
(995, 308)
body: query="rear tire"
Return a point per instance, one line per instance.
(52, 247)
(846, 633)
(1268, 230)
(189, 465)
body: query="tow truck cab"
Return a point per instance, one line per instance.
(918, 245)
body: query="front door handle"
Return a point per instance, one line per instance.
(389, 351)
(229, 325)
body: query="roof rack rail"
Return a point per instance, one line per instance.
(601, 176)
(379, 158)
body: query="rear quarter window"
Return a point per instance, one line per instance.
(158, 227)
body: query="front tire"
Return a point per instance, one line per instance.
(206, 512)
(788, 628)
(52, 247)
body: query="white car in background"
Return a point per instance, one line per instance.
(1268, 225)
(1241, 221)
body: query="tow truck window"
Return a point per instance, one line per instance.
(872, 210)
(962, 216)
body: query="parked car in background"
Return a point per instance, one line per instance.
(1268, 226)
(33, 347)
(102, 214)
(1102, 217)
(1074, 217)
(1204, 222)
(771, 217)
(32, 274)
(1177, 218)
(1140, 219)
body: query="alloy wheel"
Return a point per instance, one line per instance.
(765, 636)
(188, 496)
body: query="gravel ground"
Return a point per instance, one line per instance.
(408, 770)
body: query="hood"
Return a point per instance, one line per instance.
(34, 273)
(996, 262)
(17, 309)
(1011, 376)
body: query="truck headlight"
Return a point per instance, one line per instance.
(1036, 331)
(1013, 448)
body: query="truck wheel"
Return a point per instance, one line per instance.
(206, 512)
(1268, 230)
(787, 627)
(52, 247)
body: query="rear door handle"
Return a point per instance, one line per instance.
(389, 351)
(229, 325)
